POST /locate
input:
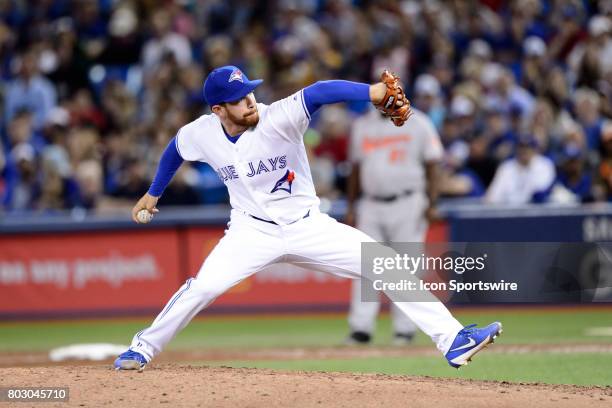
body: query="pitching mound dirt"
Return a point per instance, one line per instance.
(188, 386)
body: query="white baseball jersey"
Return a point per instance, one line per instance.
(516, 184)
(266, 171)
(392, 157)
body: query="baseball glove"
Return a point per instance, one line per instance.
(394, 105)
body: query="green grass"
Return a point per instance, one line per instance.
(578, 368)
(537, 326)
(520, 327)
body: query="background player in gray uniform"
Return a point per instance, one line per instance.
(394, 168)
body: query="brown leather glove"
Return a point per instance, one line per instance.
(394, 104)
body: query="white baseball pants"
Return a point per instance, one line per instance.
(399, 221)
(317, 242)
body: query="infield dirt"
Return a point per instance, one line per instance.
(176, 385)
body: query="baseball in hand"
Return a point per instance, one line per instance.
(144, 216)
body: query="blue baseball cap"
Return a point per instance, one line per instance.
(228, 84)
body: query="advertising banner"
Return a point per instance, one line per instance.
(72, 273)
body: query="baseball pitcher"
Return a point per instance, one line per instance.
(394, 168)
(258, 152)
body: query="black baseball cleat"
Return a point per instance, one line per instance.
(403, 339)
(358, 338)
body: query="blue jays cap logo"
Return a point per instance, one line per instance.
(236, 76)
(285, 182)
(228, 84)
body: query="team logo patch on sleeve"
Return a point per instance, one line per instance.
(285, 182)
(236, 76)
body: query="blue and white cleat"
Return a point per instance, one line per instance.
(469, 341)
(130, 360)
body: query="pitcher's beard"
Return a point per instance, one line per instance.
(248, 121)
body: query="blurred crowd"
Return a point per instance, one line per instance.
(520, 91)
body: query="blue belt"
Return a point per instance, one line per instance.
(272, 222)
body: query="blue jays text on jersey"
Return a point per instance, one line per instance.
(255, 167)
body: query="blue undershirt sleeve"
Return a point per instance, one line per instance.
(169, 163)
(324, 92)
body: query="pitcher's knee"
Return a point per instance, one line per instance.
(208, 290)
